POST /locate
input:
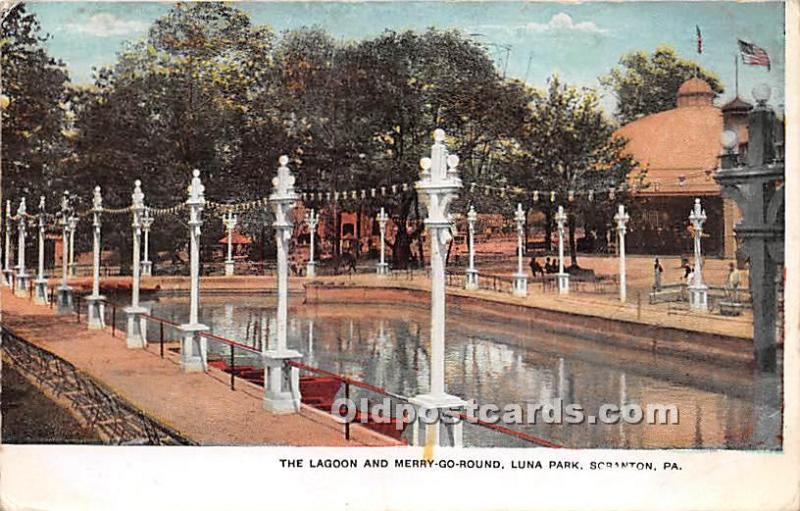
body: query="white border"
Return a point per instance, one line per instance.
(232, 478)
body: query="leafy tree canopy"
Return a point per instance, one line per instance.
(33, 123)
(645, 83)
(567, 146)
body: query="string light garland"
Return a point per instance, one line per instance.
(220, 208)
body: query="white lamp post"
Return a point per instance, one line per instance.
(22, 275)
(698, 291)
(520, 278)
(193, 345)
(281, 381)
(73, 226)
(471, 281)
(383, 266)
(136, 332)
(230, 220)
(562, 277)
(438, 186)
(313, 220)
(40, 284)
(8, 272)
(64, 291)
(147, 264)
(622, 220)
(95, 301)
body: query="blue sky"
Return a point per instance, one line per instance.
(579, 41)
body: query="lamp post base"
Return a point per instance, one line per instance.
(563, 283)
(147, 268)
(281, 382)
(229, 268)
(430, 406)
(136, 337)
(520, 284)
(471, 279)
(64, 299)
(383, 269)
(40, 292)
(311, 269)
(23, 280)
(698, 298)
(194, 348)
(96, 312)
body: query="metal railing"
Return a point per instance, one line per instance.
(231, 367)
(348, 382)
(114, 419)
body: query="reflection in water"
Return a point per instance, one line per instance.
(500, 363)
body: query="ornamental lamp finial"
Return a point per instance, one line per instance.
(97, 199)
(196, 188)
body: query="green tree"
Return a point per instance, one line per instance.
(420, 82)
(326, 115)
(360, 115)
(33, 142)
(567, 146)
(178, 100)
(648, 83)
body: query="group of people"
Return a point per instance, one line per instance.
(549, 266)
(731, 283)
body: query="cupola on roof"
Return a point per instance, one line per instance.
(695, 92)
(737, 104)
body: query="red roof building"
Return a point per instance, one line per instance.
(679, 150)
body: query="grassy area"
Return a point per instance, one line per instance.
(30, 417)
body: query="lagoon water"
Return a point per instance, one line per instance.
(497, 362)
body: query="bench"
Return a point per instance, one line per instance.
(669, 293)
(728, 308)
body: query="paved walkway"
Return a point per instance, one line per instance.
(638, 269)
(604, 306)
(199, 406)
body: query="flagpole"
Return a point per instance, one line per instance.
(736, 65)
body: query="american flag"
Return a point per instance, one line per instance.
(754, 55)
(699, 40)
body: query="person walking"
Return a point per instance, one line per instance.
(657, 271)
(732, 283)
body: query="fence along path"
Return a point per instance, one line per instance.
(199, 406)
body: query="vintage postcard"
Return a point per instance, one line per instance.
(399, 255)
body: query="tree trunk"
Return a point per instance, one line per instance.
(548, 229)
(358, 230)
(262, 247)
(401, 252)
(447, 257)
(337, 231)
(419, 232)
(125, 243)
(573, 249)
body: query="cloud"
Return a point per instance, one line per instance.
(563, 22)
(105, 24)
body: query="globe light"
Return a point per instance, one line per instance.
(452, 160)
(4, 101)
(729, 140)
(761, 93)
